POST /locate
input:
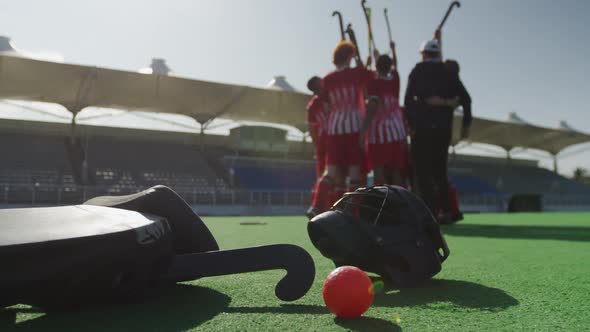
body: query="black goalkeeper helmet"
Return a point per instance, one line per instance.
(385, 230)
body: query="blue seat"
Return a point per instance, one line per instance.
(281, 178)
(472, 184)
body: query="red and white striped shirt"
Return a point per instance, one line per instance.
(388, 124)
(317, 117)
(344, 92)
(401, 123)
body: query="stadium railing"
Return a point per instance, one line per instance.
(48, 194)
(553, 202)
(44, 194)
(489, 202)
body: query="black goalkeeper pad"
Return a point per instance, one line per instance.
(386, 230)
(119, 248)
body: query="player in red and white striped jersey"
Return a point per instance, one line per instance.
(343, 93)
(387, 136)
(317, 120)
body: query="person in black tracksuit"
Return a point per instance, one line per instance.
(432, 94)
(452, 67)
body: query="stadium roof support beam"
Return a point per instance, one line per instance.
(81, 100)
(509, 135)
(577, 152)
(203, 125)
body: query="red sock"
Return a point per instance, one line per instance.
(321, 193)
(364, 177)
(355, 210)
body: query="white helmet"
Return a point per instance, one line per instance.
(430, 46)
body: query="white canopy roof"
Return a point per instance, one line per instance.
(509, 135)
(76, 87)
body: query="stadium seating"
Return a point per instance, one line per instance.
(35, 169)
(40, 165)
(275, 178)
(471, 184)
(510, 178)
(129, 165)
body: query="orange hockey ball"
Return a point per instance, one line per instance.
(348, 292)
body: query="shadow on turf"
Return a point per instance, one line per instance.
(367, 324)
(520, 232)
(178, 308)
(283, 309)
(358, 324)
(463, 294)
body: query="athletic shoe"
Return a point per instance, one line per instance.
(455, 218)
(445, 219)
(312, 212)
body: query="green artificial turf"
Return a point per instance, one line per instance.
(506, 272)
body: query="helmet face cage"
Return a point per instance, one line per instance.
(379, 205)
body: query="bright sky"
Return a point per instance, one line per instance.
(529, 56)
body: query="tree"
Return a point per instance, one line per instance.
(580, 174)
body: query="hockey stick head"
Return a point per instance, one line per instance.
(352, 38)
(387, 23)
(364, 4)
(366, 12)
(451, 6)
(337, 13)
(295, 260)
(351, 34)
